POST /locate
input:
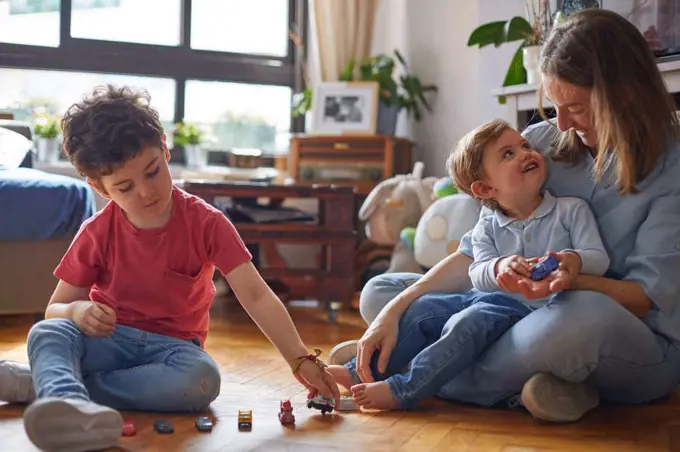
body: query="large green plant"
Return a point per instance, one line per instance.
(502, 32)
(407, 92)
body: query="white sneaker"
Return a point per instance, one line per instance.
(552, 399)
(16, 383)
(55, 425)
(343, 352)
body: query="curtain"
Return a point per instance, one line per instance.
(343, 29)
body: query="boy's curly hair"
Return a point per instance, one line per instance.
(109, 127)
(465, 162)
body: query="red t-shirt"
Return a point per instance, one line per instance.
(157, 280)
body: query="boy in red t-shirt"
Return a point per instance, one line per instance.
(126, 325)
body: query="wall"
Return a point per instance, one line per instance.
(432, 35)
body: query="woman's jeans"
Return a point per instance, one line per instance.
(579, 336)
(440, 344)
(129, 370)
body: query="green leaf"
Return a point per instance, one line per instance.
(484, 35)
(348, 73)
(401, 59)
(517, 28)
(516, 74)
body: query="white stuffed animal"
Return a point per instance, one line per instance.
(442, 226)
(396, 203)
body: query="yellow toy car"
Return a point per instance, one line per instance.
(245, 420)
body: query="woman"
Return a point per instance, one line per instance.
(614, 337)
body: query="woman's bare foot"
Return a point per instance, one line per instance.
(376, 396)
(341, 375)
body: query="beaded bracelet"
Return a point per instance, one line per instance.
(313, 357)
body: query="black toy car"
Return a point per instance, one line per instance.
(162, 426)
(321, 403)
(204, 424)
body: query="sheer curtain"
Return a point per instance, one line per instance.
(342, 29)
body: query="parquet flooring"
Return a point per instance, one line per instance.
(255, 377)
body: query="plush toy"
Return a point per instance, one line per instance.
(438, 232)
(396, 203)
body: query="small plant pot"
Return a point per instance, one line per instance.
(195, 156)
(531, 55)
(48, 150)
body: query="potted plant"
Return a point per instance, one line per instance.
(407, 92)
(46, 127)
(189, 138)
(524, 67)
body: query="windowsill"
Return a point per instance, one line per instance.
(211, 172)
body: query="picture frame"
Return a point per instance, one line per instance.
(345, 108)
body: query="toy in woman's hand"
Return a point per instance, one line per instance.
(543, 268)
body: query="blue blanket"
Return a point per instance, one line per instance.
(35, 205)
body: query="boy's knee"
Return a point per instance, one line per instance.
(202, 384)
(51, 329)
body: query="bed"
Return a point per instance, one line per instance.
(39, 215)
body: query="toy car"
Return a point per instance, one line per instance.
(204, 424)
(543, 268)
(286, 416)
(129, 428)
(162, 426)
(245, 420)
(321, 403)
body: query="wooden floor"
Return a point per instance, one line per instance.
(255, 377)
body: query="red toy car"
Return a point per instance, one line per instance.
(286, 415)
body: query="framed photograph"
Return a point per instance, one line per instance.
(345, 108)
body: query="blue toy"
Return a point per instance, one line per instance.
(544, 267)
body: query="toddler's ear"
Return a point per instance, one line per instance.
(481, 189)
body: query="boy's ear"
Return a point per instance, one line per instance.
(481, 189)
(98, 188)
(166, 150)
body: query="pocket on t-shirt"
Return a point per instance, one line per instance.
(185, 293)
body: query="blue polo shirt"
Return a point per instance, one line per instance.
(558, 224)
(640, 232)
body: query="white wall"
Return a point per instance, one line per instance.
(432, 35)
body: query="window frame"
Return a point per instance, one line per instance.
(174, 62)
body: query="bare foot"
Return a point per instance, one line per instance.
(341, 375)
(376, 396)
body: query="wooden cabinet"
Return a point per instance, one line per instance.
(358, 161)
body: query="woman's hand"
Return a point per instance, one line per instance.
(380, 335)
(317, 380)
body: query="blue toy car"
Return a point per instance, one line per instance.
(544, 267)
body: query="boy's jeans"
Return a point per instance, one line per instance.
(129, 370)
(441, 339)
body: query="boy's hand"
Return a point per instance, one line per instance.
(93, 319)
(318, 380)
(518, 264)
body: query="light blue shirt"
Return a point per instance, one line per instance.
(558, 224)
(641, 232)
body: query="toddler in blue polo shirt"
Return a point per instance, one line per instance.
(525, 223)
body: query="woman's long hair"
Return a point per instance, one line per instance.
(632, 111)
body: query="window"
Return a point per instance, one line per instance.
(224, 64)
(253, 26)
(240, 115)
(30, 22)
(141, 21)
(27, 91)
